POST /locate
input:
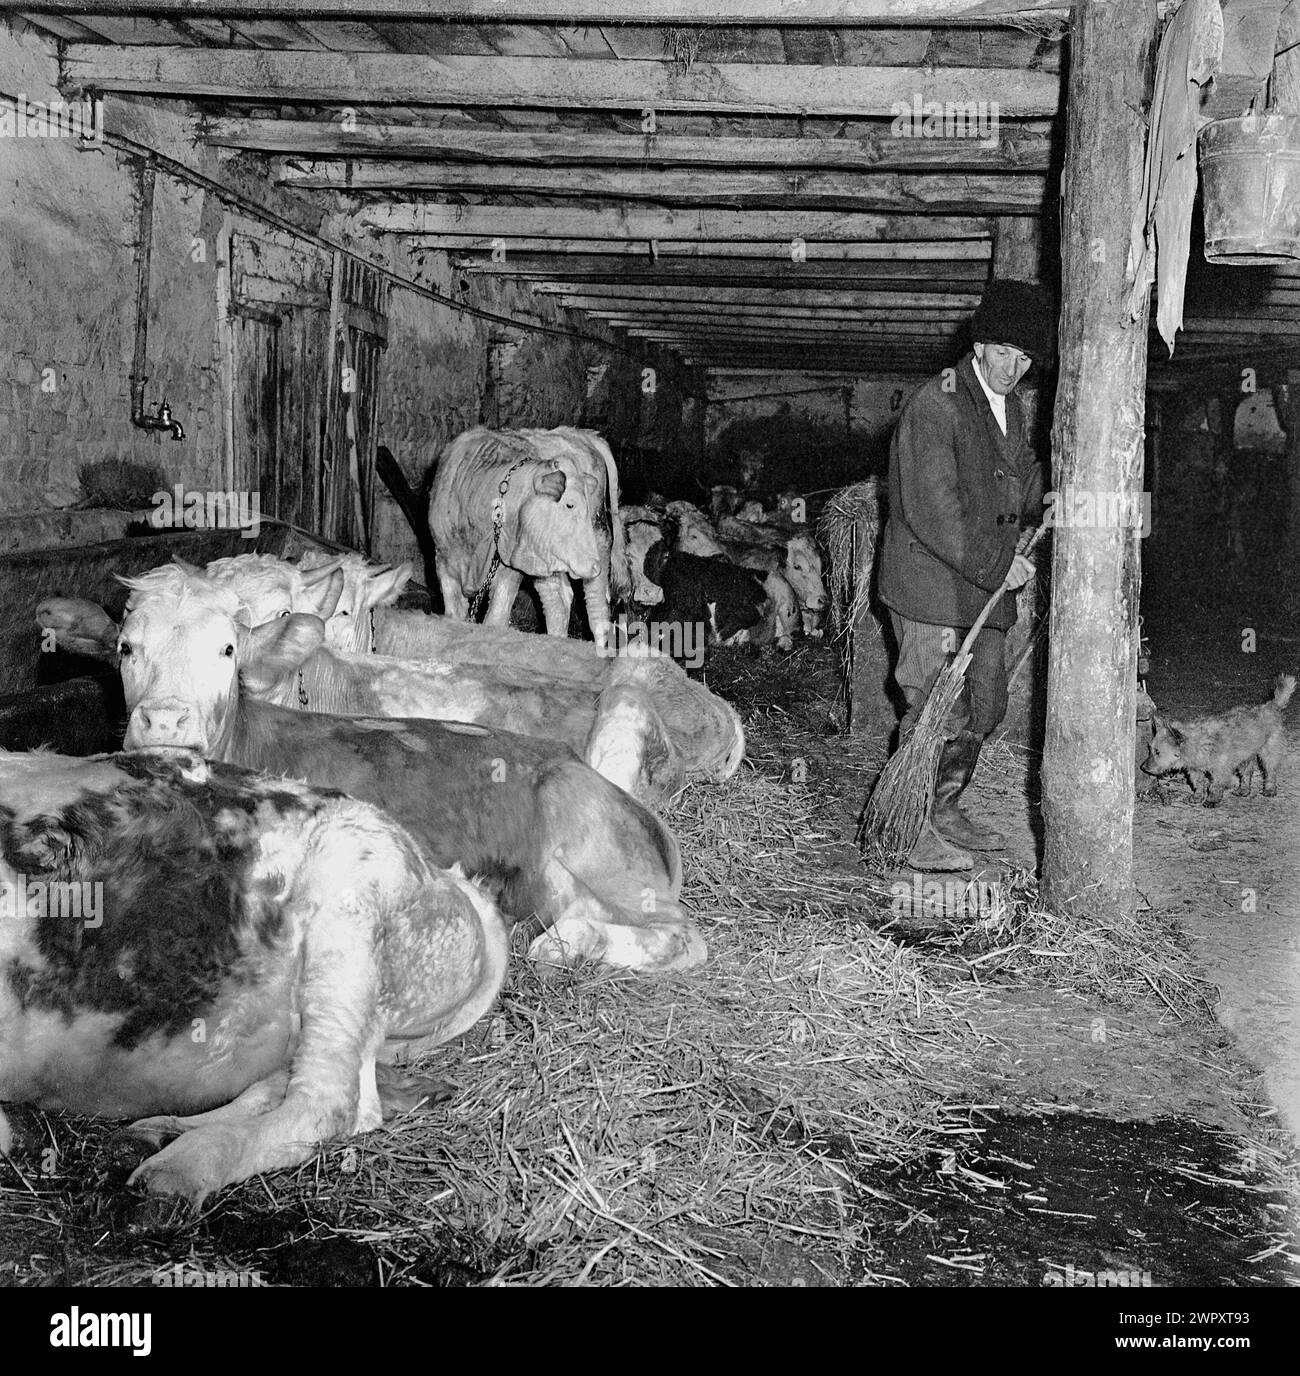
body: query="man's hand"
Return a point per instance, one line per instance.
(1022, 570)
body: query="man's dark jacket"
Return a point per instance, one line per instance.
(959, 492)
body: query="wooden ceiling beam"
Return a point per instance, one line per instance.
(576, 13)
(850, 298)
(647, 223)
(365, 78)
(586, 270)
(1013, 151)
(634, 250)
(875, 192)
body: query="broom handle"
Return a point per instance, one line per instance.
(964, 653)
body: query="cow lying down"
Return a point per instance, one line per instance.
(638, 720)
(256, 946)
(553, 839)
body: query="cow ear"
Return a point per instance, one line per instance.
(79, 626)
(271, 652)
(551, 484)
(385, 585)
(323, 587)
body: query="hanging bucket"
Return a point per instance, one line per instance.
(1250, 172)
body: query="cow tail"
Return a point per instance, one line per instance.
(620, 575)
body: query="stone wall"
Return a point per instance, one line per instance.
(68, 225)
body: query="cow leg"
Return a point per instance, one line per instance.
(351, 866)
(504, 587)
(454, 602)
(595, 591)
(257, 1099)
(629, 745)
(589, 928)
(557, 602)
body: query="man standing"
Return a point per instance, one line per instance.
(963, 480)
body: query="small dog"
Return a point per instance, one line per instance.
(1221, 747)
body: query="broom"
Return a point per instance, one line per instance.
(900, 801)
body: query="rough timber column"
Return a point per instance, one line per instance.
(1097, 451)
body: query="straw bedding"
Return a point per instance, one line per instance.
(687, 1130)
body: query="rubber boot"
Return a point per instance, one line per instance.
(933, 854)
(956, 765)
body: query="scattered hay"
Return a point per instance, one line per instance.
(1121, 960)
(610, 1129)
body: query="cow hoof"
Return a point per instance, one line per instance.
(658, 948)
(399, 1093)
(194, 1165)
(149, 1134)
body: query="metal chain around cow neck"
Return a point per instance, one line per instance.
(498, 516)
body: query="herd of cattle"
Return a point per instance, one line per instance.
(329, 811)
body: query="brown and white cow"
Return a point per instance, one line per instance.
(238, 954)
(506, 504)
(555, 839)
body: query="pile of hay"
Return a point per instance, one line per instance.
(849, 530)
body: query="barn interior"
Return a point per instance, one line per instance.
(246, 244)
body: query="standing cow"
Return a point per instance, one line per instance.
(541, 503)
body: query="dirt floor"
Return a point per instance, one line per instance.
(1051, 1122)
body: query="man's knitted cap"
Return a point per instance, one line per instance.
(1016, 313)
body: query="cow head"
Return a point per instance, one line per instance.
(548, 525)
(365, 587)
(182, 647)
(803, 571)
(694, 533)
(642, 536)
(268, 586)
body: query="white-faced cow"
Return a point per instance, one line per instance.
(270, 586)
(234, 953)
(543, 504)
(555, 840)
(636, 719)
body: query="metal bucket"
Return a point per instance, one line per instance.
(1250, 172)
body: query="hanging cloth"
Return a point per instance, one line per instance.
(1190, 53)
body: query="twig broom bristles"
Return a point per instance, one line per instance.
(900, 801)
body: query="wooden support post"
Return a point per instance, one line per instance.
(1097, 451)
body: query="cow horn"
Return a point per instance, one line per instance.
(311, 577)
